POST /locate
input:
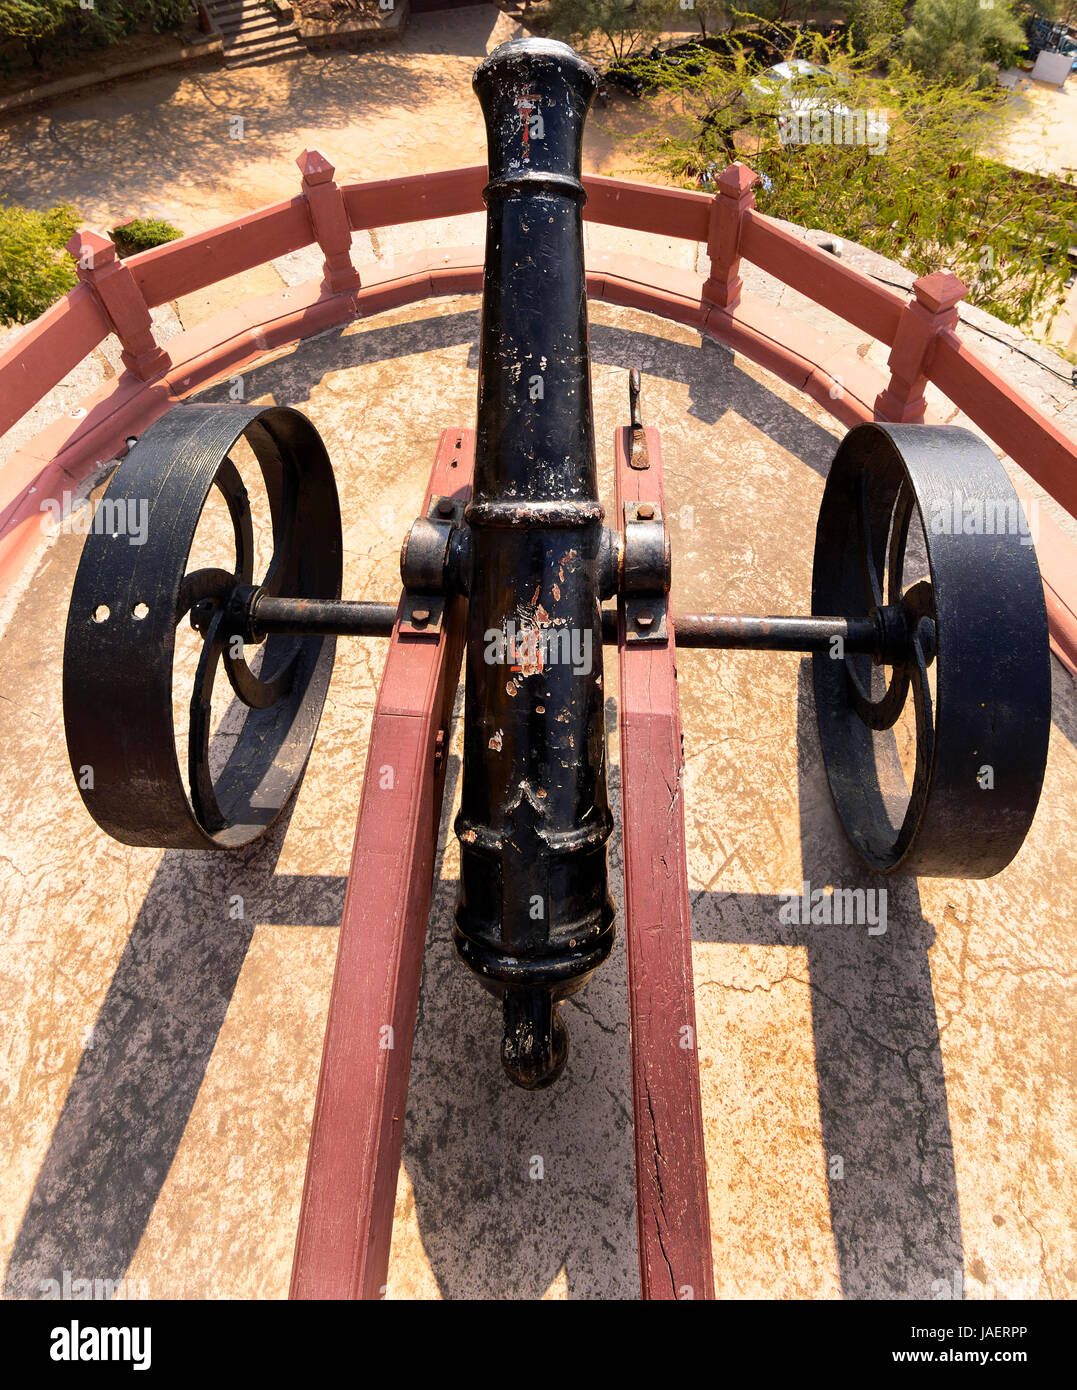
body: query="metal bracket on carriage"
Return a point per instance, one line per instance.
(645, 573)
(435, 561)
(644, 568)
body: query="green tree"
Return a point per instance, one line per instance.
(45, 25)
(949, 39)
(35, 270)
(619, 28)
(712, 16)
(33, 21)
(892, 163)
(870, 20)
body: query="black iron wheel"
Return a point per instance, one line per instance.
(128, 600)
(921, 529)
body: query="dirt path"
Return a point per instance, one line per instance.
(202, 145)
(1041, 134)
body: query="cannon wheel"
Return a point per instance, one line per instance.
(974, 612)
(126, 604)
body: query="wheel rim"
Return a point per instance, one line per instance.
(978, 617)
(118, 672)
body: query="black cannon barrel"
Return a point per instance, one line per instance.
(534, 917)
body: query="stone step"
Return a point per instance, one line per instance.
(266, 51)
(240, 14)
(231, 7)
(262, 36)
(260, 25)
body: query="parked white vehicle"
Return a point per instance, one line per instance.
(809, 111)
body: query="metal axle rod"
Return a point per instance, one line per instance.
(341, 618)
(325, 617)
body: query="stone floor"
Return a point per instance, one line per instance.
(161, 1054)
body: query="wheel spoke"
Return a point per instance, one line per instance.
(203, 797)
(201, 584)
(284, 510)
(230, 485)
(899, 536)
(254, 691)
(871, 562)
(883, 712)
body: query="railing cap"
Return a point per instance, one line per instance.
(940, 290)
(314, 167)
(102, 250)
(736, 180)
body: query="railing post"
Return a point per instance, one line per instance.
(330, 218)
(932, 312)
(117, 292)
(732, 200)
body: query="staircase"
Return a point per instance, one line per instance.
(253, 32)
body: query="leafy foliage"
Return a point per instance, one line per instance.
(55, 26)
(34, 268)
(872, 20)
(620, 28)
(925, 197)
(34, 19)
(950, 38)
(141, 233)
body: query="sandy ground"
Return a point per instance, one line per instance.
(202, 145)
(1042, 136)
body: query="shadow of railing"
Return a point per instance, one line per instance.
(136, 1083)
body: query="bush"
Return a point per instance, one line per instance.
(35, 270)
(142, 233)
(987, 77)
(950, 39)
(64, 28)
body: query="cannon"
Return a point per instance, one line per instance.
(910, 607)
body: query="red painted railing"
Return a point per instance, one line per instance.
(115, 297)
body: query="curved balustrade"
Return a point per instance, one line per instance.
(116, 296)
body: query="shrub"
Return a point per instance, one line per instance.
(987, 77)
(949, 39)
(142, 233)
(35, 270)
(57, 28)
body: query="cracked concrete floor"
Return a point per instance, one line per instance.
(887, 1116)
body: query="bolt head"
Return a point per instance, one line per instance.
(645, 511)
(420, 616)
(445, 506)
(644, 619)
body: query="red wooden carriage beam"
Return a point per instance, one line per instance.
(346, 1220)
(671, 1170)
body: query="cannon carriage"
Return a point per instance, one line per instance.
(515, 566)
